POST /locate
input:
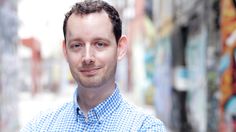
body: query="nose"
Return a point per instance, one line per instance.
(88, 57)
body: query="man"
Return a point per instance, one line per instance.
(93, 44)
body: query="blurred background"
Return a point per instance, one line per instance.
(180, 66)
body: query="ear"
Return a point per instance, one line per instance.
(122, 47)
(64, 49)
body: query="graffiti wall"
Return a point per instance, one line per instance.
(227, 67)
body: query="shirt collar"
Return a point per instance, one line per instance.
(105, 108)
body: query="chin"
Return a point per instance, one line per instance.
(90, 84)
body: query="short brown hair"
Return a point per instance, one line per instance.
(90, 6)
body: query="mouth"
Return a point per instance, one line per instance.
(89, 71)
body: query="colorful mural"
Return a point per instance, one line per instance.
(227, 64)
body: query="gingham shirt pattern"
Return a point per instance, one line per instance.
(113, 114)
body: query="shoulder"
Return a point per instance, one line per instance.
(140, 119)
(52, 113)
(152, 124)
(46, 118)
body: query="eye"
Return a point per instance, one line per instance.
(100, 44)
(76, 45)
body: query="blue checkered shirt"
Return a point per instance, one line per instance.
(113, 114)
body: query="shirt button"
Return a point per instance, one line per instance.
(80, 112)
(86, 119)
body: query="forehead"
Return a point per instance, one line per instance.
(96, 18)
(93, 23)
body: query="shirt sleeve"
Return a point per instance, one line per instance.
(28, 128)
(31, 126)
(152, 124)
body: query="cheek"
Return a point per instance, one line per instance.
(108, 57)
(73, 60)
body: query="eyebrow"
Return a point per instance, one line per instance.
(73, 39)
(102, 39)
(94, 39)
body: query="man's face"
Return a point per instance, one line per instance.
(91, 49)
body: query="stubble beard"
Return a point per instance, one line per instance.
(98, 80)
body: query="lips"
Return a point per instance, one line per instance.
(89, 71)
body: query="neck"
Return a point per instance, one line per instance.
(90, 97)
